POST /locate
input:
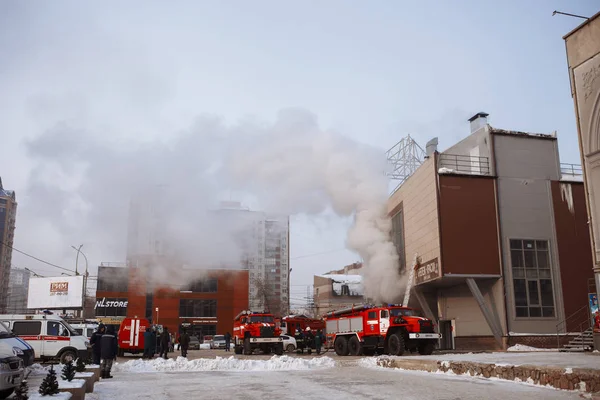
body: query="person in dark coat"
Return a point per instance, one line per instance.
(228, 341)
(319, 340)
(184, 343)
(95, 343)
(309, 340)
(109, 347)
(149, 343)
(164, 342)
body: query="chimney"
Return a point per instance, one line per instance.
(478, 121)
(431, 147)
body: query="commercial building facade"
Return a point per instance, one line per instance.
(499, 232)
(338, 289)
(8, 212)
(233, 236)
(205, 306)
(583, 55)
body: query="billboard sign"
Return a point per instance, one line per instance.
(57, 292)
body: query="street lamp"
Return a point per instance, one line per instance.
(78, 250)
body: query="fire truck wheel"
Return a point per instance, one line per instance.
(426, 349)
(396, 344)
(354, 346)
(341, 346)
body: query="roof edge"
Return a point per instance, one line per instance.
(587, 21)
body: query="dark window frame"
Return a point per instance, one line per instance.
(17, 324)
(532, 279)
(398, 237)
(197, 308)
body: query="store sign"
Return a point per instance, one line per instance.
(59, 288)
(428, 271)
(111, 303)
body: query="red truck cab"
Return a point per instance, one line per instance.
(256, 330)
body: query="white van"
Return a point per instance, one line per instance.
(50, 336)
(86, 329)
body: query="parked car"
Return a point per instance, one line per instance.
(16, 346)
(11, 365)
(194, 343)
(207, 339)
(289, 343)
(218, 342)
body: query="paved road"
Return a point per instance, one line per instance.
(345, 381)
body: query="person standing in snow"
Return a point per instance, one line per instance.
(228, 341)
(184, 343)
(148, 341)
(95, 343)
(165, 339)
(109, 352)
(319, 340)
(308, 340)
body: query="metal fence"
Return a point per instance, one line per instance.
(571, 169)
(472, 165)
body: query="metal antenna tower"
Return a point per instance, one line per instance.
(405, 156)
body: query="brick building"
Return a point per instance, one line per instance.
(204, 307)
(499, 227)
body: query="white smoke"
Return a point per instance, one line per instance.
(295, 167)
(290, 167)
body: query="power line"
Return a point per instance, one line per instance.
(35, 258)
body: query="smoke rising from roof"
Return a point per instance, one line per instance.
(290, 166)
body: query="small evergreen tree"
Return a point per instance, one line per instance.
(68, 371)
(80, 367)
(22, 391)
(49, 385)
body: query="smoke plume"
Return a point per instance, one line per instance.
(291, 166)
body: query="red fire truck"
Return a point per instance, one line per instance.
(131, 335)
(289, 324)
(390, 329)
(256, 330)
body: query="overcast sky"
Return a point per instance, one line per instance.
(142, 72)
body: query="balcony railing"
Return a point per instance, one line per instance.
(571, 169)
(462, 164)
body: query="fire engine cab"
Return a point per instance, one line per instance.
(290, 323)
(256, 330)
(390, 329)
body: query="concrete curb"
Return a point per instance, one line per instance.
(581, 379)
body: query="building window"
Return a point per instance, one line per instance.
(398, 236)
(195, 308)
(112, 279)
(532, 278)
(208, 285)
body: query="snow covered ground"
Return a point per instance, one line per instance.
(548, 358)
(326, 380)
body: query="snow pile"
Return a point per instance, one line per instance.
(354, 283)
(522, 347)
(38, 369)
(282, 363)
